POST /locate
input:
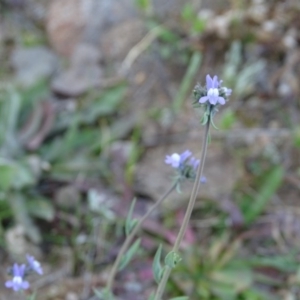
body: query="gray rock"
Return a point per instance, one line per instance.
(33, 64)
(84, 73)
(71, 22)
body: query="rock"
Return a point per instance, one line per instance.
(154, 177)
(84, 73)
(117, 41)
(65, 24)
(33, 64)
(73, 21)
(67, 197)
(18, 245)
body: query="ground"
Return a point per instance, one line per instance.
(94, 95)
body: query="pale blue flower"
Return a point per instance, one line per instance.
(176, 160)
(17, 283)
(34, 265)
(213, 93)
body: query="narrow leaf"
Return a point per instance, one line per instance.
(129, 224)
(267, 190)
(187, 81)
(103, 294)
(156, 266)
(31, 297)
(129, 254)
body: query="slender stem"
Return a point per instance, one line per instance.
(185, 222)
(130, 237)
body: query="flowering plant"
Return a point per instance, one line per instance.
(19, 273)
(210, 97)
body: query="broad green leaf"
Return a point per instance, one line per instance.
(180, 298)
(129, 254)
(41, 208)
(14, 175)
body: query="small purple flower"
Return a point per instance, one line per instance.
(212, 86)
(203, 179)
(194, 163)
(176, 160)
(34, 264)
(17, 283)
(227, 91)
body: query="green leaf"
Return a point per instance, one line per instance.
(31, 297)
(172, 259)
(104, 105)
(267, 189)
(188, 12)
(130, 223)
(104, 294)
(143, 4)
(156, 266)
(181, 298)
(239, 279)
(7, 172)
(296, 136)
(14, 175)
(223, 291)
(41, 208)
(187, 81)
(152, 296)
(129, 254)
(228, 119)
(212, 122)
(18, 205)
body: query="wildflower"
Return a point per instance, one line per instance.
(176, 160)
(227, 91)
(185, 164)
(34, 265)
(17, 283)
(194, 163)
(213, 93)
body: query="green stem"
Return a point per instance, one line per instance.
(162, 285)
(130, 237)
